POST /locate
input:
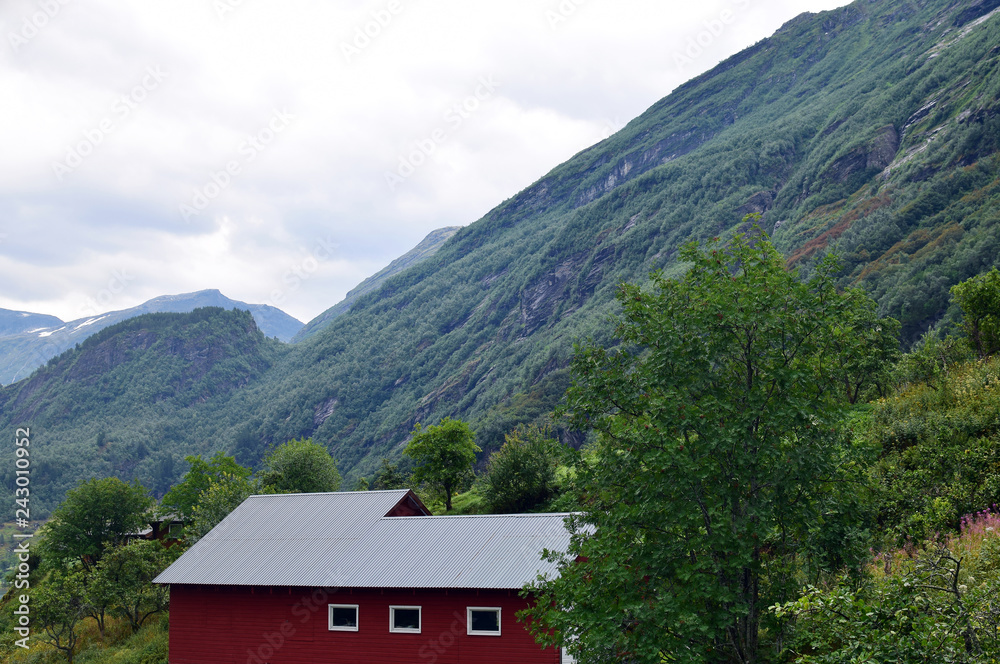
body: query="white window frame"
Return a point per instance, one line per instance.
(405, 630)
(468, 620)
(341, 628)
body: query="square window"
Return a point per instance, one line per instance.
(344, 617)
(483, 620)
(405, 619)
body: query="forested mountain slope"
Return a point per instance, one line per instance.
(872, 130)
(133, 399)
(27, 341)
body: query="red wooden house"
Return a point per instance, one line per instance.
(361, 577)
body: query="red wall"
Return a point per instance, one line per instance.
(238, 625)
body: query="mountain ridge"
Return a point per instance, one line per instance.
(23, 351)
(825, 129)
(21, 322)
(424, 249)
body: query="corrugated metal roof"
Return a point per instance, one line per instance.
(344, 540)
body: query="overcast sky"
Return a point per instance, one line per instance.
(282, 151)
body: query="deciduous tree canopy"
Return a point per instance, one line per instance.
(182, 498)
(95, 514)
(719, 451)
(979, 298)
(446, 453)
(300, 466)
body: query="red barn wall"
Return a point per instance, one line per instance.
(239, 625)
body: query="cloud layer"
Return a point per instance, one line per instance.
(283, 151)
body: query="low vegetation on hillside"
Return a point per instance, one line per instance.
(871, 130)
(836, 503)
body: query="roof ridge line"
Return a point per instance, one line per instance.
(484, 516)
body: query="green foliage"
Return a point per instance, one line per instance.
(445, 453)
(123, 581)
(929, 361)
(521, 475)
(58, 607)
(389, 476)
(94, 515)
(719, 449)
(222, 496)
(148, 646)
(865, 347)
(133, 400)
(936, 603)
(893, 164)
(113, 589)
(118, 646)
(979, 298)
(183, 496)
(938, 447)
(300, 466)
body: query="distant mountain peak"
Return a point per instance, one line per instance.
(28, 340)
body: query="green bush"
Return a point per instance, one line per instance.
(521, 475)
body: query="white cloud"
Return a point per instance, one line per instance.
(565, 83)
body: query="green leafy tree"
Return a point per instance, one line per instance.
(58, 606)
(300, 466)
(979, 298)
(865, 348)
(522, 474)
(911, 618)
(445, 453)
(389, 476)
(182, 498)
(96, 514)
(223, 495)
(123, 581)
(936, 602)
(930, 360)
(717, 454)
